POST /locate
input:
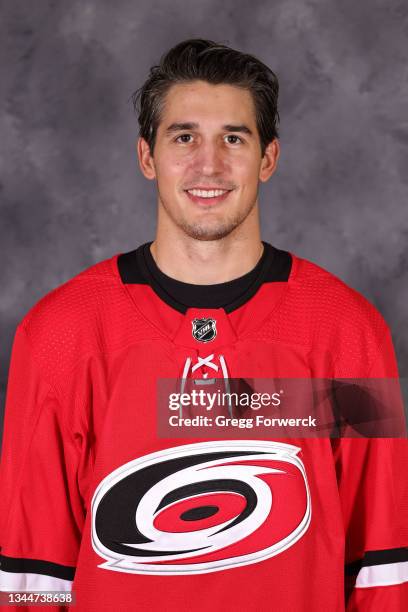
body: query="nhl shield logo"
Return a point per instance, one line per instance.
(204, 330)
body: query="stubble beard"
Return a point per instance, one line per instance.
(208, 230)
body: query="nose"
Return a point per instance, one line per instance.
(209, 159)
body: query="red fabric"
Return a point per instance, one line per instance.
(81, 403)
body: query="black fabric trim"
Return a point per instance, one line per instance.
(36, 566)
(378, 557)
(139, 267)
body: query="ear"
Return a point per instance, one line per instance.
(269, 160)
(146, 161)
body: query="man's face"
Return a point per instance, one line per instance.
(207, 158)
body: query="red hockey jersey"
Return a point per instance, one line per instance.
(94, 500)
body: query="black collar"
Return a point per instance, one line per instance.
(139, 267)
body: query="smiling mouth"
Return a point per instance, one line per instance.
(207, 196)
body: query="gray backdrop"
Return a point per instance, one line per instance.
(71, 192)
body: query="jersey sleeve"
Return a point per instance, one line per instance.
(373, 487)
(42, 463)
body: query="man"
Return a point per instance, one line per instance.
(93, 498)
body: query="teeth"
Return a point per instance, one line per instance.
(202, 193)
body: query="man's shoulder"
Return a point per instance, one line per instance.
(89, 314)
(323, 312)
(330, 297)
(75, 298)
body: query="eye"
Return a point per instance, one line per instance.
(233, 139)
(183, 138)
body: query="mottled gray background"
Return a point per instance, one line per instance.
(71, 192)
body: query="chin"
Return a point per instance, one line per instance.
(207, 232)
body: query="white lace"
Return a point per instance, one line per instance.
(206, 361)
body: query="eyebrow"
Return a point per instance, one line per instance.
(179, 127)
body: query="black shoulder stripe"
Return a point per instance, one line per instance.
(378, 557)
(36, 566)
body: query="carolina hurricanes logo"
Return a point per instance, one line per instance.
(201, 508)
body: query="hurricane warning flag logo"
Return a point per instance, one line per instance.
(201, 508)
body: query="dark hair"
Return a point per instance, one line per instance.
(214, 63)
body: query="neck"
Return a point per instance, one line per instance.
(208, 262)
